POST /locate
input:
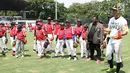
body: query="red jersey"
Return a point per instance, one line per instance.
(49, 28)
(57, 27)
(34, 27)
(2, 31)
(69, 32)
(4, 28)
(12, 31)
(61, 34)
(40, 34)
(20, 34)
(78, 30)
(84, 34)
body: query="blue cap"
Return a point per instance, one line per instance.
(19, 26)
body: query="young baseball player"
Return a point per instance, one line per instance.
(41, 38)
(2, 45)
(78, 30)
(49, 27)
(60, 40)
(5, 40)
(84, 42)
(70, 39)
(20, 40)
(56, 28)
(34, 31)
(117, 27)
(13, 37)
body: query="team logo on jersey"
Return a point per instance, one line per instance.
(115, 25)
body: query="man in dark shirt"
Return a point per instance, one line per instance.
(95, 38)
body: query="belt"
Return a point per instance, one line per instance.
(68, 38)
(83, 39)
(60, 38)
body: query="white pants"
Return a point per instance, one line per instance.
(50, 45)
(12, 40)
(4, 40)
(2, 45)
(40, 46)
(71, 50)
(59, 47)
(35, 45)
(55, 42)
(114, 45)
(84, 48)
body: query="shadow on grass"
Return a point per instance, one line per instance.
(2, 55)
(78, 53)
(27, 55)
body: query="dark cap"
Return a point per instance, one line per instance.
(2, 24)
(19, 26)
(13, 23)
(38, 20)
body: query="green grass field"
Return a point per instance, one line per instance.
(30, 63)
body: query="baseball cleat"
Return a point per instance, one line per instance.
(69, 58)
(111, 69)
(22, 56)
(16, 56)
(3, 53)
(75, 59)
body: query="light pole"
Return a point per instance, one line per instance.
(56, 9)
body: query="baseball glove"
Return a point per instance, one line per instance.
(6, 41)
(118, 36)
(13, 43)
(103, 46)
(24, 41)
(75, 45)
(46, 44)
(64, 46)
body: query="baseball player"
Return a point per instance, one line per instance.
(2, 45)
(5, 40)
(84, 42)
(12, 37)
(56, 28)
(70, 39)
(117, 27)
(41, 38)
(20, 37)
(78, 30)
(34, 28)
(60, 40)
(49, 27)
